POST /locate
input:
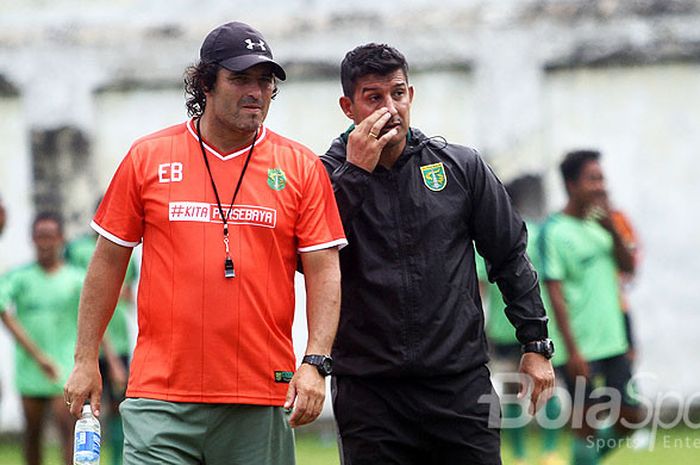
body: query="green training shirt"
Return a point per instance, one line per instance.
(79, 252)
(579, 254)
(46, 306)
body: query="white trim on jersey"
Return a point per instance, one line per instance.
(340, 243)
(261, 136)
(111, 237)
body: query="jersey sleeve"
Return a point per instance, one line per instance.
(120, 215)
(318, 223)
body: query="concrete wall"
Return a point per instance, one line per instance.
(521, 80)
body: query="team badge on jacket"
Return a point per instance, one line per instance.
(276, 179)
(434, 176)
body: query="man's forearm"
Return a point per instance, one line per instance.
(623, 255)
(99, 297)
(322, 275)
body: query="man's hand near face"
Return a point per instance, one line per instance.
(364, 144)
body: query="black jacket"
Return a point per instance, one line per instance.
(410, 296)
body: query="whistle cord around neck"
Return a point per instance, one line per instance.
(228, 263)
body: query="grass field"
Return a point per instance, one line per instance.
(680, 446)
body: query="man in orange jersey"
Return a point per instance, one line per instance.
(223, 206)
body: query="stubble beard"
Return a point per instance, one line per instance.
(246, 123)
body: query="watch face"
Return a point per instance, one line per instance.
(547, 348)
(327, 366)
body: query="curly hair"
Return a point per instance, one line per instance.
(368, 59)
(200, 78)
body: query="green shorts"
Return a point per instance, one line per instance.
(172, 433)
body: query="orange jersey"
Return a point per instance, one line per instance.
(203, 337)
(624, 228)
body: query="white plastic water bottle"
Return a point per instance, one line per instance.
(86, 449)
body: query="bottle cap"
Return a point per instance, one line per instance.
(87, 409)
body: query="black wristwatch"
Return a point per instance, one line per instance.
(544, 347)
(323, 363)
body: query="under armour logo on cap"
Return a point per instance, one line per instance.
(250, 45)
(237, 46)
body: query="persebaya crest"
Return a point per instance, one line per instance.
(276, 179)
(434, 176)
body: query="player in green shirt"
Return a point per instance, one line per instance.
(116, 353)
(527, 195)
(44, 296)
(581, 255)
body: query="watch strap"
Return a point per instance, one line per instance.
(544, 347)
(319, 361)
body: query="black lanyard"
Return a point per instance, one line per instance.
(228, 262)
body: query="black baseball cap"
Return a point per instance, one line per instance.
(237, 46)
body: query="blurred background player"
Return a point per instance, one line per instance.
(582, 254)
(116, 345)
(44, 296)
(3, 216)
(528, 197)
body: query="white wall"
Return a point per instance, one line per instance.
(123, 117)
(15, 184)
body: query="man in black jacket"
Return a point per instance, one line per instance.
(410, 377)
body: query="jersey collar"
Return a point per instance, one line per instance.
(193, 132)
